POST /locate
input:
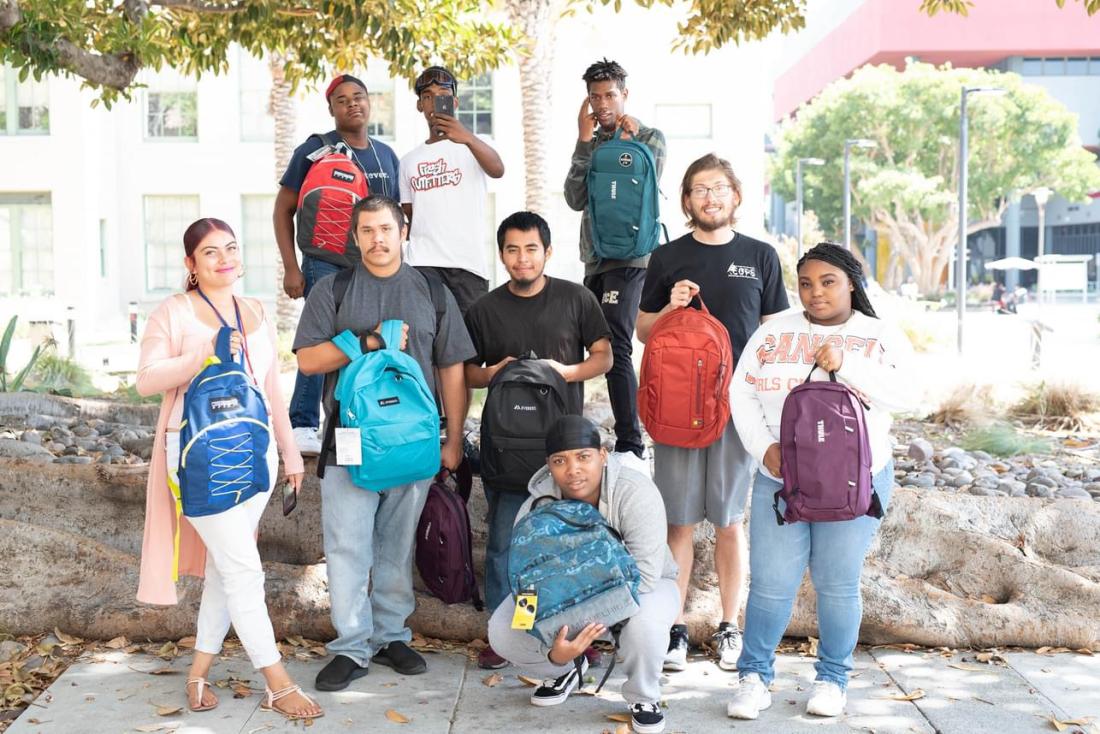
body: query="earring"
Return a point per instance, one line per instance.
(192, 279)
(242, 273)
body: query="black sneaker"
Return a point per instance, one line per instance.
(676, 657)
(647, 718)
(402, 658)
(727, 645)
(555, 690)
(339, 672)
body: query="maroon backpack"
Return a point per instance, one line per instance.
(825, 455)
(444, 545)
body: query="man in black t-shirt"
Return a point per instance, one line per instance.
(557, 320)
(740, 280)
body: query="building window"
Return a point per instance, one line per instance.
(254, 78)
(258, 245)
(171, 107)
(166, 218)
(380, 86)
(1060, 66)
(24, 105)
(475, 104)
(26, 245)
(684, 120)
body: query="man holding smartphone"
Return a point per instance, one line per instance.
(616, 283)
(443, 192)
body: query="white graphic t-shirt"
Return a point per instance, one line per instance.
(447, 190)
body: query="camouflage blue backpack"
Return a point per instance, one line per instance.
(577, 564)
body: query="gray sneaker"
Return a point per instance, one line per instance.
(727, 645)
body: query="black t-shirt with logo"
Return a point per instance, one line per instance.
(560, 322)
(739, 281)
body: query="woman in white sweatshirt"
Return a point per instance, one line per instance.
(838, 331)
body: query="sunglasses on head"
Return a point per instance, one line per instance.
(435, 75)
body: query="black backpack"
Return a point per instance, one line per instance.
(525, 398)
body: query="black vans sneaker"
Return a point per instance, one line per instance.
(647, 718)
(555, 690)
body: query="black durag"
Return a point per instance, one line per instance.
(572, 432)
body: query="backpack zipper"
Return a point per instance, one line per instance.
(698, 422)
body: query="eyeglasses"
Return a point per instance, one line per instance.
(719, 191)
(435, 75)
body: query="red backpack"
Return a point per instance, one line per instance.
(334, 183)
(683, 395)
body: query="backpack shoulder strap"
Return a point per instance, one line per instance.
(438, 297)
(340, 286)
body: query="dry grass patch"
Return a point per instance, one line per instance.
(1060, 406)
(965, 405)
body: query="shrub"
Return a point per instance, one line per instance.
(1001, 439)
(965, 405)
(61, 375)
(1060, 406)
(5, 345)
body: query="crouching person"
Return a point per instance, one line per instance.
(577, 468)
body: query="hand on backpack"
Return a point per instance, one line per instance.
(629, 126)
(566, 371)
(682, 293)
(773, 460)
(494, 369)
(234, 342)
(404, 336)
(564, 650)
(829, 358)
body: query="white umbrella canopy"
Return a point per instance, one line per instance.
(1012, 263)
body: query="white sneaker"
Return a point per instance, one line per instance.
(749, 699)
(633, 461)
(826, 699)
(676, 657)
(727, 643)
(308, 442)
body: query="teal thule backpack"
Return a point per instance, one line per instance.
(623, 204)
(384, 394)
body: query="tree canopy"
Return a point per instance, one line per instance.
(107, 42)
(907, 185)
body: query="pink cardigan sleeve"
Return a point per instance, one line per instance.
(280, 418)
(159, 369)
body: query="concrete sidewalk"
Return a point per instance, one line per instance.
(891, 691)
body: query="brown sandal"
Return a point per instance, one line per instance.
(270, 697)
(201, 682)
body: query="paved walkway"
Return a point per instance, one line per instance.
(891, 691)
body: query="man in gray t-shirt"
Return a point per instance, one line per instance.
(366, 531)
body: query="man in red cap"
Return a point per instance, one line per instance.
(349, 105)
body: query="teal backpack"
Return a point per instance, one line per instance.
(622, 200)
(384, 394)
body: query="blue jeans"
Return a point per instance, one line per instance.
(369, 539)
(503, 508)
(305, 402)
(778, 558)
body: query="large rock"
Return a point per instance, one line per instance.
(945, 569)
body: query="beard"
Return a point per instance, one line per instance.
(711, 225)
(526, 284)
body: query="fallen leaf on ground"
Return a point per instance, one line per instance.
(1063, 725)
(167, 651)
(295, 641)
(66, 639)
(813, 647)
(241, 691)
(1084, 651)
(622, 729)
(118, 643)
(492, 680)
(172, 726)
(619, 717)
(918, 693)
(969, 666)
(529, 681)
(187, 642)
(168, 710)
(396, 717)
(389, 685)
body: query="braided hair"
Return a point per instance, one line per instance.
(605, 71)
(839, 257)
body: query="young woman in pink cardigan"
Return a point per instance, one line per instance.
(178, 339)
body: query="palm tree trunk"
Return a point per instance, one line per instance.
(281, 106)
(536, 19)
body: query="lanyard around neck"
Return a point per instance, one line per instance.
(240, 328)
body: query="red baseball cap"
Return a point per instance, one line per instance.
(343, 79)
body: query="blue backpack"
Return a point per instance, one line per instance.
(622, 200)
(577, 564)
(384, 394)
(224, 437)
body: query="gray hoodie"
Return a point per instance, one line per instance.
(632, 505)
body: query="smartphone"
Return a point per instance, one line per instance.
(290, 498)
(444, 104)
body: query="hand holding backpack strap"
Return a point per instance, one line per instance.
(391, 334)
(348, 343)
(832, 375)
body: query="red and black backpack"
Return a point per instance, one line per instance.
(334, 183)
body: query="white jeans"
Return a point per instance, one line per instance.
(642, 644)
(234, 588)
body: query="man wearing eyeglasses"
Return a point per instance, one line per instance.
(741, 282)
(443, 192)
(616, 283)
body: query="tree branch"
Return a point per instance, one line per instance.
(9, 14)
(198, 6)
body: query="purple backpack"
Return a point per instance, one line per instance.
(825, 455)
(444, 545)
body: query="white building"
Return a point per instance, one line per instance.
(94, 202)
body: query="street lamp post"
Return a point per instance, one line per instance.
(960, 265)
(1041, 195)
(798, 195)
(848, 145)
